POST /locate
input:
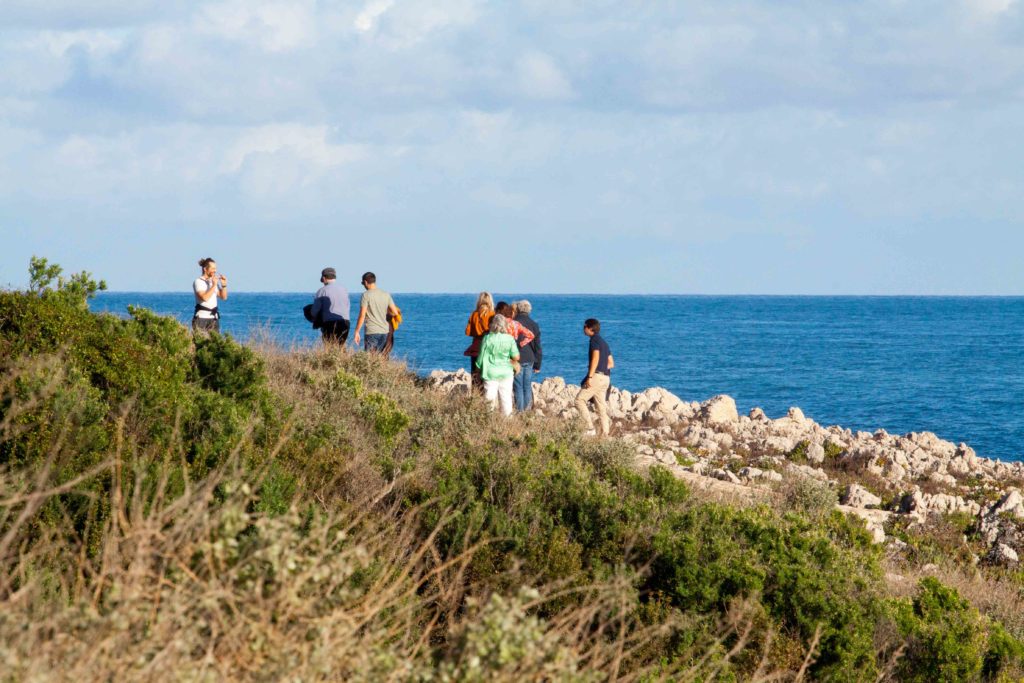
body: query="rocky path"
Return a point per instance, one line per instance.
(886, 479)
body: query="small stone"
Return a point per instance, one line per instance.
(815, 453)
(796, 415)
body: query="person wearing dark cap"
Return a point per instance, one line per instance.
(331, 308)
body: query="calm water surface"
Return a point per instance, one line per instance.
(954, 366)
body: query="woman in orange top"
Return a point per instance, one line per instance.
(477, 327)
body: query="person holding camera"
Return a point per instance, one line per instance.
(207, 288)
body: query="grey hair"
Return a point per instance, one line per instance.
(524, 306)
(499, 323)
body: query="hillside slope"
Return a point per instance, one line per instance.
(176, 509)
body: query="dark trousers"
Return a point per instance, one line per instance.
(335, 331)
(205, 325)
(476, 378)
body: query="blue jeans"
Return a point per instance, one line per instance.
(522, 388)
(375, 342)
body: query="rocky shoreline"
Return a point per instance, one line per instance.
(891, 481)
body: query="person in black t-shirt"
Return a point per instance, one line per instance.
(595, 385)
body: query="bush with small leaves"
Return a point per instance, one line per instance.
(809, 496)
(948, 640)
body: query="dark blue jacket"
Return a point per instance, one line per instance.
(532, 353)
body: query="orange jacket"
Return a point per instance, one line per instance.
(478, 324)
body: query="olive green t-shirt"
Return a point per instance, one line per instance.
(496, 354)
(376, 303)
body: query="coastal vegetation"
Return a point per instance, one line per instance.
(179, 508)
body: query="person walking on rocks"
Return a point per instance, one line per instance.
(530, 355)
(497, 352)
(331, 306)
(594, 386)
(207, 288)
(477, 327)
(374, 308)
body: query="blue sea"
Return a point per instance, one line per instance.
(953, 366)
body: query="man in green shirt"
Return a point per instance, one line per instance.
(374, 307)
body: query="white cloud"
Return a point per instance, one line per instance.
(367, 19)
(276, 26)
(307, 143)
(540, 77)
(674, 116)
(407, 24)
(990, 8)
(99, 42)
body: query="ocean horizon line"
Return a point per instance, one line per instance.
(605, 294)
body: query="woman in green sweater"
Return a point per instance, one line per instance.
(497, 351)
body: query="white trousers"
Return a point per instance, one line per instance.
(500, 389)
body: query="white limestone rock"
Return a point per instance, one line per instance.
(859, 497)
(757, 474)
(1004, 554)
(1011, 504)
(805, 471)
(725, 475)
(720, 410)
(943, 479)
(778, 444)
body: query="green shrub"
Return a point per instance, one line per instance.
(809, 575)
(505, 642)
(832, 451)
(227, 367)
(384, 414)
(946, 636)
(799, 453)
(948, 640)
(1004, 652)
(347, 384)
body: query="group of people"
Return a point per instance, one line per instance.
(329, 312)
(505, 349)
(377, 310)
(505, 352)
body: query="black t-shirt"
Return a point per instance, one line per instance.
(597, 343)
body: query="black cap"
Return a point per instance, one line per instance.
(329, 274)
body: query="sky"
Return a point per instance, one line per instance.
(818, 147)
